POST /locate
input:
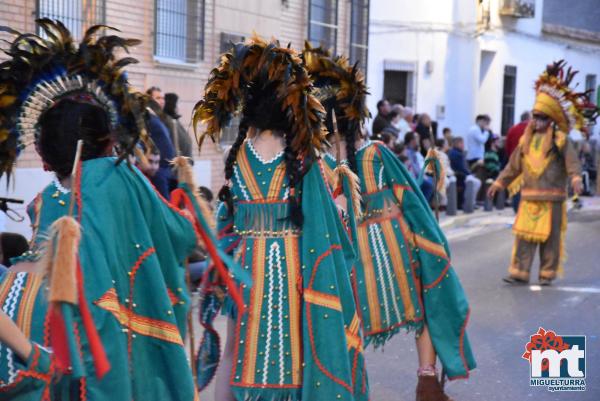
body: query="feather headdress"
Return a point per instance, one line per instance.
(342, 91)
(42, 71)
(566, 107)
(258, 63)
(340, 86)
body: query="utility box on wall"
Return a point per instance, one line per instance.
(517, 8)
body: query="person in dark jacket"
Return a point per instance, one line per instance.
(381, 120)
(427, 130)
(458, 163)
(163, 180)
(491, 158)
(179, 135)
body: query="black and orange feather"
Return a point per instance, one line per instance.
(42, 70)
(340, 86)
(260, 62)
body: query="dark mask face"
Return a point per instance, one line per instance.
(66, 123)
(541, 122)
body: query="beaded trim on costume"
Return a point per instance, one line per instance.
(59, 186)
(259, 157)
(343, 161)
(363, 146)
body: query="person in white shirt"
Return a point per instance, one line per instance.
(405, 124)
(476, 139)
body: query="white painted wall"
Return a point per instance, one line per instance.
(444, 32)
(25, 184)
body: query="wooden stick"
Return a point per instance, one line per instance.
(74, 175)
(338, 138)
(190, 322)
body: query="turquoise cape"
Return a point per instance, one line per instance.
(430, 290)
(131, 255)
(299, 338)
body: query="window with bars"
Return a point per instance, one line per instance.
(323, 23)
(76, 15)
(179, 30)
(590, 86)
(359, 33)
(509, 92)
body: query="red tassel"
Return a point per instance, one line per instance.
(101, 363)
(179, 198)
(58, 339)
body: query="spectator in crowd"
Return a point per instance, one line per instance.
(588, 167)
(415, 120)
(405, 160)
(160, 134)
(491, 158)
(399, 149)
(425, 145)
(381, 120)
(447, 134)
(157, 96)
(151, 167)
(416, 162)
(476, 138)
(475, 147)
(401, 124)
(198, 261)
(207, 195)
(388, 139)
(458, 162)
(394, 118)
(11, 246)
(408, 116)
(179, 135)
(442, 148)
(515, 133)
(594, 140)
(512, 140)
(426, 132)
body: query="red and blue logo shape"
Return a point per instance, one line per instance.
(556, 361)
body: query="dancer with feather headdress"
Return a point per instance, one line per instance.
(540, 167)
(299, 337)
(112, 248)
(403, 276)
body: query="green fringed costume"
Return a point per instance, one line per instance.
(131, 254)
(22, 299)
(404, 277)
(300, 336)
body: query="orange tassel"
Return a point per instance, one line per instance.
(61, 261)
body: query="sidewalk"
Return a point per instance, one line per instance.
(470, 224)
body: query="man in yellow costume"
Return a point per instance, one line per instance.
(541, 165)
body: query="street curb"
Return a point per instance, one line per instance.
(588, 211)
(465, 219)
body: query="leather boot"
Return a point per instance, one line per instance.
(430, 389)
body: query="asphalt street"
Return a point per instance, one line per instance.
(503, 318)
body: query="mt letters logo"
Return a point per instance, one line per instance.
(556, 362)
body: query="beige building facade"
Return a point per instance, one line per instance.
(182, 41)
